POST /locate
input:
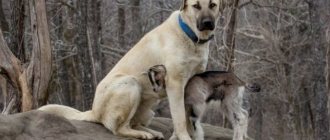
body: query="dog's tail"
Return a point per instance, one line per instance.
(253, 87)
(69, 113)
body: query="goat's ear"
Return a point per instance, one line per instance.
(183, 5)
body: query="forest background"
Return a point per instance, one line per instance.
(56, 51)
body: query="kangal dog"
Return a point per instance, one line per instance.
(181, 43)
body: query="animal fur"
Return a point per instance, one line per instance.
(123, 100)
(215, 86)
(218, 86)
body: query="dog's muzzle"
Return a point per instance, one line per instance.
(206, 24)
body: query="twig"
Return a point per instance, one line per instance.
(116, 50)
(7, 109)
(90, 50)
(67, 56)
(116, 55)
(68, 5)
(256, 57)
(263, 6)
(261, 37)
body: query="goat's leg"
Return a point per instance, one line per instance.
(236, 114)
(196, 115)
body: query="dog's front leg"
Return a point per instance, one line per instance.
(175, 92)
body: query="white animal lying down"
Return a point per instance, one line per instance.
(219, 86)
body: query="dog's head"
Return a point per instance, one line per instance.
(202, 15)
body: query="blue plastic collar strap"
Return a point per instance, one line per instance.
(190, 33)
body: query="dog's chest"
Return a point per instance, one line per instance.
(196, 58)
(184, 59)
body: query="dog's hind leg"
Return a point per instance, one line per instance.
(121, 108)
(142, 121)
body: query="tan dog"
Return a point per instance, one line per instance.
(181, 43)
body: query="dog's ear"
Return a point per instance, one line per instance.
(183, 5)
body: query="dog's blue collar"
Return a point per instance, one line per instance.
(190, 33)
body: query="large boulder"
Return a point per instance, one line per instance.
(37, 125)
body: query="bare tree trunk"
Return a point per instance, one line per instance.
(229, 42)
(122, 23)
(136, 19)
(3, 87)
(60, 90)
(17, 29)
(12, 69)
(327, 76)
(85, 57)
(40, 68)
(259, 116)
(231, 37)
(69, 66)
(94, 39)
(3, 83)
(3, 22)
(318, 22)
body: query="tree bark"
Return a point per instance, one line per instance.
(327, 76)
(17, 29)
(318, 25)
(94, 39)
(3, 89)
(136, 19)
(229, 42)
(85, 57)
(40, 68)
(231, 37)
(69, 69)
(3, 22)
(259, 115)
(122, 23)
(12, 69)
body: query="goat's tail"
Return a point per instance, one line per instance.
(69, 113)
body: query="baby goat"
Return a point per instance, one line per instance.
(205, 87)
(219, 86)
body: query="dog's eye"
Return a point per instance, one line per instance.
(197, 6)
(212, 5)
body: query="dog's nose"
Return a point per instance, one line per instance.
(207, 24)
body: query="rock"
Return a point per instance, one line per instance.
(37, 125)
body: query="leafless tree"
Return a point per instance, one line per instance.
(282, 45)
(31, 81)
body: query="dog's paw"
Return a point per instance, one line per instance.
(158, 135)
(147, 136)
(184, 137)
(173, 137)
